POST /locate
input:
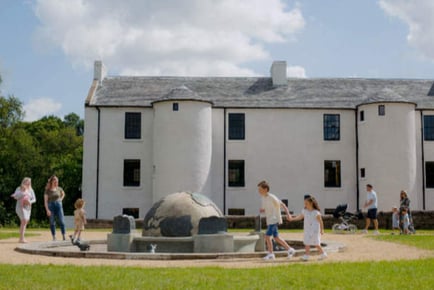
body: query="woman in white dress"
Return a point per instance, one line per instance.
(25, 196)
(313, 227)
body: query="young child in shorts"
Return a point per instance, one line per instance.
(395, 220)
(271, 206)
(79, 220)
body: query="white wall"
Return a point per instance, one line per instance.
(89, 160)
(182, 143)
(429, 156)
(114, 149)
(286, 147)
(387, 151)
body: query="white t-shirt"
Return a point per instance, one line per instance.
(271, 205)
(372, 195)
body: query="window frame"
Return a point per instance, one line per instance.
(242, 174)
(330, 132)
(338, 181)
(429, 182)
(233, 134)
(428, 131)
(381, 110)
(129, 178)
(132, 126)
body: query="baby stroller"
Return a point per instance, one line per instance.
(345, 226)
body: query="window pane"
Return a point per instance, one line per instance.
(362, 116)
(133, 125)
(236, 126)
(236, 173)
(131, 172)
(332, 173)
(428, 128)
(381, 110)
(429, 174)
(332, 127)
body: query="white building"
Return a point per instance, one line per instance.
(146, 137)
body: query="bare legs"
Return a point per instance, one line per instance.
(23, 226)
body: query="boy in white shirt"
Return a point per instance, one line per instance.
(271, 208)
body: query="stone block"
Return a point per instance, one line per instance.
(245, 244)
(123, 224)
(214, 243)
(212, 225)
(260, 243)
(120, 242)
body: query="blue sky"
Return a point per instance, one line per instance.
(47, 47)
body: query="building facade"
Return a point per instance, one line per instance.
(147, 137)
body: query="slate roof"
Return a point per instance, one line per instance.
(258, 92)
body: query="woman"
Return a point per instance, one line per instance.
(404, 203)
(53, 197)
(25, 196)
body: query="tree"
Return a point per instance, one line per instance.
(11, 111)
(73, 120)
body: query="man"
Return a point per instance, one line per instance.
(371, 204)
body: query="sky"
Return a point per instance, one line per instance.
(48, 47)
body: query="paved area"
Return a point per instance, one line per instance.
(357, 248)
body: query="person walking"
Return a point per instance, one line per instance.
(271, 206)
(371, 204)
(25, 197)
(313, 227)
(53, 198)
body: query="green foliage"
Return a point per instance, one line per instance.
(381, 275)
(11, 111)
(38, 150)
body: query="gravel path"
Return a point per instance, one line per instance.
(358, 248)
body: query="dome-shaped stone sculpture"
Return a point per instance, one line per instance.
(178, 215)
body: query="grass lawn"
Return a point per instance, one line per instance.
(367, 275)
(422, 239)
(355, 275)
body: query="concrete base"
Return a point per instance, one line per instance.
(260, 243)
(164, 244)
(120, 242)
(213, 243)
(245, 244)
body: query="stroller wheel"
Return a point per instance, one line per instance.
(352, 229)
(336, 228)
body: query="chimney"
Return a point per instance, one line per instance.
(99, 71)
(278, 73)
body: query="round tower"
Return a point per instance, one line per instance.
(182, 143)
(387, 150)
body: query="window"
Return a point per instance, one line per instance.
(429, 174)
(362, 173)
(132, 172)
(133, 125)
(362, 116)
(331, 127)
(236, 126)
(134, 212)
(332, 173)
(175, 106)
(428, 128)
(236, 173)
(381, 110)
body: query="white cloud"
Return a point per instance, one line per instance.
(168, 37)
(418, 15)
(295, 72)
(38, 108)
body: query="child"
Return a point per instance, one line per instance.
(395, 220)
(405, 220)
(79, 220)
(271, 207)
(313, 227)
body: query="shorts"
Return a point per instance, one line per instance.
(372, 214)
(272, 230)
